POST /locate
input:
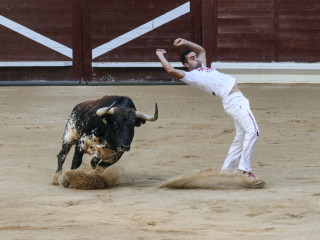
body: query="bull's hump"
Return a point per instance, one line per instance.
(86, 106)
(92, 105)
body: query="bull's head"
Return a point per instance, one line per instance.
(120, 123)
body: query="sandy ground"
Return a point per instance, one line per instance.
(192, 133)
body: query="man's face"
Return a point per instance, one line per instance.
(193, 61)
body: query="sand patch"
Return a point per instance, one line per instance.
(211, 178)
(189, 136)
(93, 179)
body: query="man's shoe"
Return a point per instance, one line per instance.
(252, 178)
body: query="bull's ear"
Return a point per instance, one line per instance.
(104, 120)
(139, 121)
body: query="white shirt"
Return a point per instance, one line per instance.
(210, 81)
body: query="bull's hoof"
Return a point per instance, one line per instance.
(63, 181)
(94, 162)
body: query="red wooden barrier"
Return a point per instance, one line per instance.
(88, 40)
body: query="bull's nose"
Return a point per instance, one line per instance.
(125, 147)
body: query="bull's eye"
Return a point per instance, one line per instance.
(115, 125)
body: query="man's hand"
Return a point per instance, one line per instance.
(160, 52)
(179, 42)
(199, 50)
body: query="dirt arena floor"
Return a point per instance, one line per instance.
(192, 133)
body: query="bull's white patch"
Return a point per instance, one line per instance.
(94, 147)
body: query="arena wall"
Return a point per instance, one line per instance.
(114, 42)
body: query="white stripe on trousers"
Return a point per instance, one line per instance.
(247, 133)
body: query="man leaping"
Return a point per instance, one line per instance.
(235, 104)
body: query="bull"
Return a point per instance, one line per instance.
(102, 128)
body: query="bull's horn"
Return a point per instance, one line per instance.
(147, 117)
(103, 111)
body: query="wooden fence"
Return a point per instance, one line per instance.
(109, 41)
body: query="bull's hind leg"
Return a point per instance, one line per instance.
(62, 155)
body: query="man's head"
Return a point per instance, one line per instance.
(190, 60)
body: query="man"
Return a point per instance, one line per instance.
(234, 103)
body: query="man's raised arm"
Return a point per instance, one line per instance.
(167, 66)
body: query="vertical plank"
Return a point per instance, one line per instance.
(299, 31)
(77, 39)
(276, 30)
(215, 31)
(86, 41)
(246, 30)
(209, 29)
(195, 10)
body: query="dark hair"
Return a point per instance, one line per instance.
(183, 57)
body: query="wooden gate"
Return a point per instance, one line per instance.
(88, 40)
(36, 40)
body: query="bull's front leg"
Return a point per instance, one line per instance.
(62, 155)
(105, 164)
(78, 154)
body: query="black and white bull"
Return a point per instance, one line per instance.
(103, 128)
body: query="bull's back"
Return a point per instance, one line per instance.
(89, 106)
(83, 118)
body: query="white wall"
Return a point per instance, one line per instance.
(271, 72)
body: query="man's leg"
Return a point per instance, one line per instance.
(232, 160)
(250, 126)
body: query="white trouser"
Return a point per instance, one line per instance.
(247, 132)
